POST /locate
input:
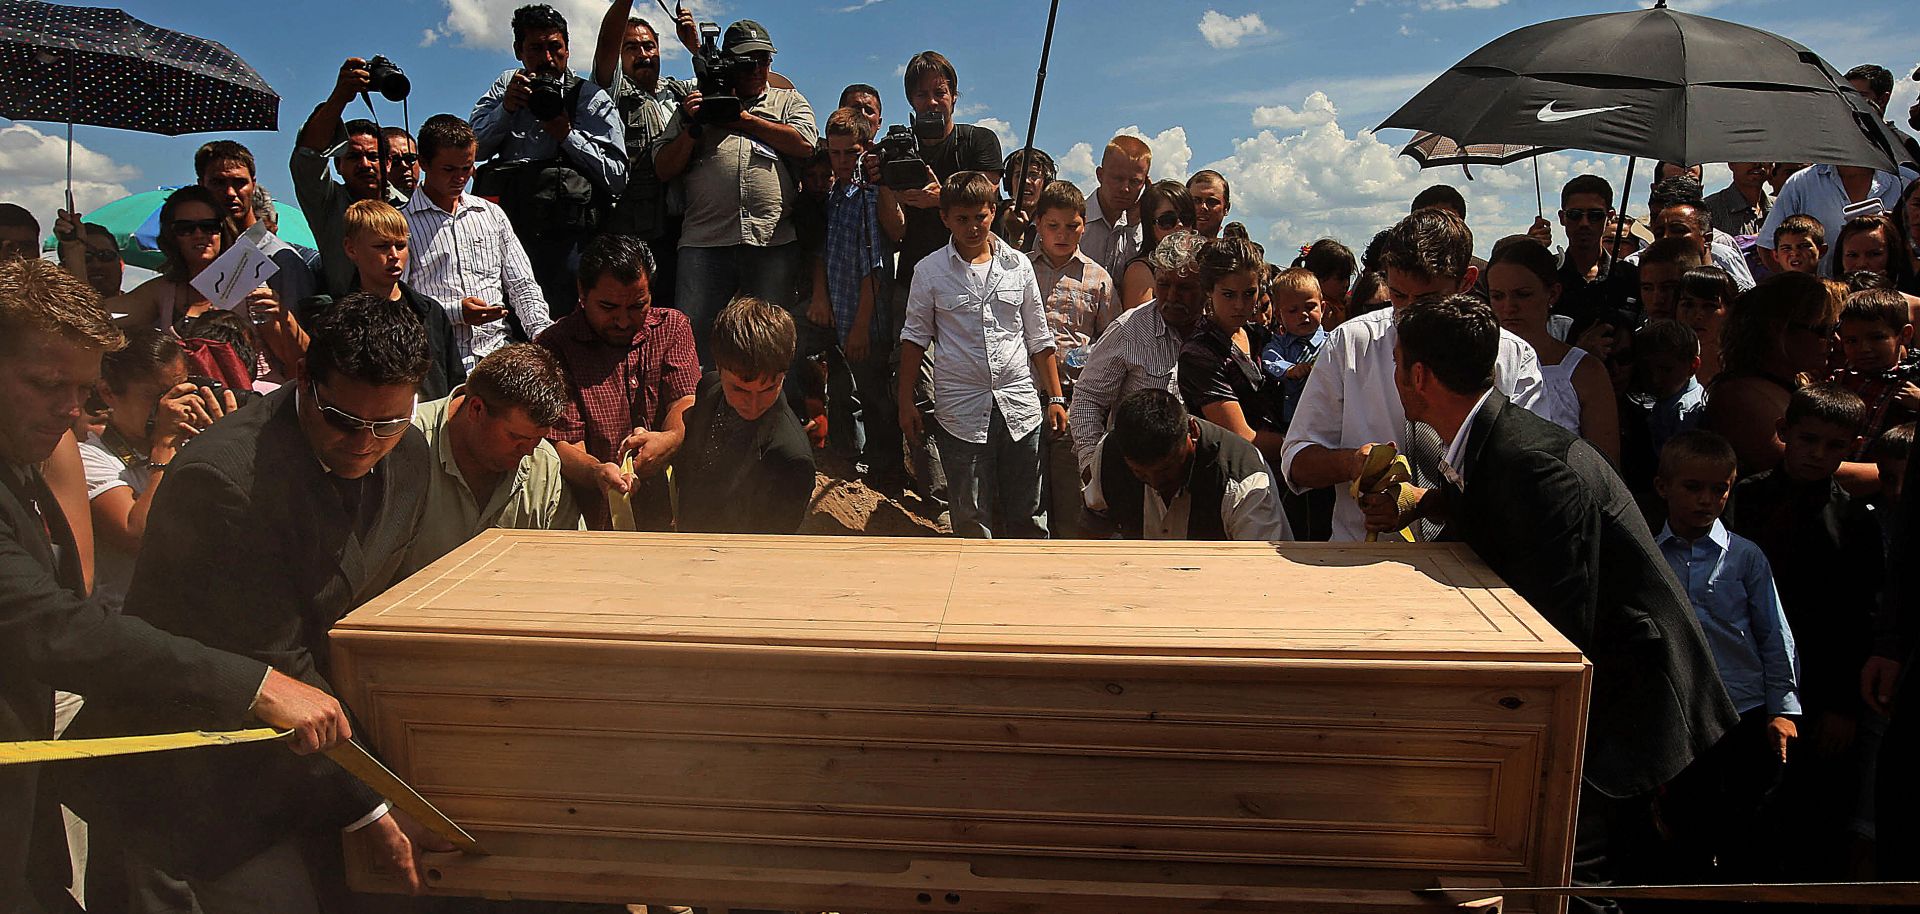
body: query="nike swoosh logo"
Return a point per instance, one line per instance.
(1546, 114)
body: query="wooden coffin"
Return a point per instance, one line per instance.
(843, 724)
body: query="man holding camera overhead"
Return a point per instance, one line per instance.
(557, 149)
(729, 144)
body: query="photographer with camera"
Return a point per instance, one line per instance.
(557, 149)
(355, 149)
(729, 146)
(627, 62)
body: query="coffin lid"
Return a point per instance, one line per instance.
(1193, 600)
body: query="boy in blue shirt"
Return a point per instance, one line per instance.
(1715, 807)
(1297, 338)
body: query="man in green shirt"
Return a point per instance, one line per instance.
(491, 463)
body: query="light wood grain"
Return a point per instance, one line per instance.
(818, 723)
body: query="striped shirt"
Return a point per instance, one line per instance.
(1138, 351)
(472, 253)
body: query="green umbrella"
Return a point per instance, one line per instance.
(135, 224)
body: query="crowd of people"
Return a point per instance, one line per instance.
(628, 302)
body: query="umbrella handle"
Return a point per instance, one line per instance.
(1539, 208)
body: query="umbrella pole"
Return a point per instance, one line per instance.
(70, 166)
(1620, 226)
(1539, 208)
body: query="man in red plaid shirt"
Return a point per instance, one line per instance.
(633, 371)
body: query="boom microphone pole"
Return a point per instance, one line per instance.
(1033, 120)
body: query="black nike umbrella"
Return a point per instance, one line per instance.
(82, 65)
(1659, 84)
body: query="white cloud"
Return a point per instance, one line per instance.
(488, 23)
(856, 7)
(1009, 140)
(1077, 166)
(428, 38)
(33, 169)
(1905, 90)
(1442, 5)
(1223, 31)
(1317, 109)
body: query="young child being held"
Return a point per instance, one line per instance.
(1798, 244)
(1882, 367)
(1715, 806)
(1827, 557)
(1297, 335)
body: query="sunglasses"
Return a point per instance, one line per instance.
(349, 423)
(408, 159)
(185, 227)
(1166, 220)
(1584, 215)
(102, 255)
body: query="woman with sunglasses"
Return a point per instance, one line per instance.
(1776, 336)
(1165, 207)
(192, 235)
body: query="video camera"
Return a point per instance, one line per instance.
(902, 167)
(385, 77)
(718, 74)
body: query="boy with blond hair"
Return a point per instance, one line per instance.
(376, 242)
(1114, 227)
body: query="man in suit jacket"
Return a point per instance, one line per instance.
(276, 522)
(1548, 514)
(52, 334)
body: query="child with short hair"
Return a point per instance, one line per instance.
(1663, 266)
(1876, 333)
(1298, 335)
(1706, 295)
(1826, 551)
(855, 260)
(1664, 398)
(1799, 244)
(1889, 454)
(1714, 806)
(1080, 301)
(979, 300)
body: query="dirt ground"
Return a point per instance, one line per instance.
(845, 506)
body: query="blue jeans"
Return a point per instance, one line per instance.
(711, 277)
(993, 489)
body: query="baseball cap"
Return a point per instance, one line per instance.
(747, 36)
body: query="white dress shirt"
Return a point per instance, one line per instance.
(1456, 456)
(1110, 240)
(472, 253)
(1818, 192)
(1350, 400)
(1138, 351)
(989, 327)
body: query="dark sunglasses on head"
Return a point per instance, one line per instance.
(184, 227)
(1166, 220)
(1584, 215)
(349, 423)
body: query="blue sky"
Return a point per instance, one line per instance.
(1280, 96)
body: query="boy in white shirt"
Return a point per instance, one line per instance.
(978, 298)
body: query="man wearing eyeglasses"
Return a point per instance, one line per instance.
(354, 149)
(403, 163)
(1592, 283)
(90, 252)
(278, 521)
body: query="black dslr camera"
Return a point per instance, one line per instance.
(549, 98)
(385, 78)
(718, 73)
(902, 167)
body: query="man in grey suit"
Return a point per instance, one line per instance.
(52, 334)
(277, 521)
(1549, 515)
